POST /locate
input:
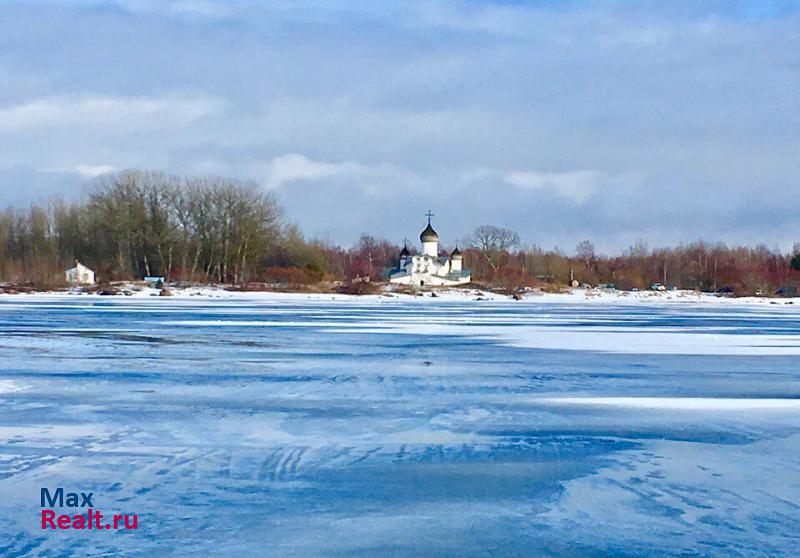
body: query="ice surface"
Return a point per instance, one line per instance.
(682, 403)
(294, 425)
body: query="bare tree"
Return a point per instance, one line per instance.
(492, 242)
(145, 218)
(585, 252)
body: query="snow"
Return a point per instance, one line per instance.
(249, 424)
(443, 295)
(9, 386)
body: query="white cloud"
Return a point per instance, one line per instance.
(295, 167)
(85, 135)
(84, 171)
(576, 186)
(124, 113)
(90, 171)
(372, 179)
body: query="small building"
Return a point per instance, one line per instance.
(154, 282)
(428, 268)
(79, 275)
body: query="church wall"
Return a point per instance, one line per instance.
(430, 249)
(426, 279)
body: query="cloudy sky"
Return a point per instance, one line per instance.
(667, 121)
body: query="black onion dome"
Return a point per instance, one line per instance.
(429, 235)
(405, 253)
(456, 254)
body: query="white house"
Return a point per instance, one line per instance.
(428, 268)
(79, 275)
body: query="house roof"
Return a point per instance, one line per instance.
(457, 274)
(79, 266)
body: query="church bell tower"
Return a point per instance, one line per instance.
(429, 239)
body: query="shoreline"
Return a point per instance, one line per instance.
(444, 294)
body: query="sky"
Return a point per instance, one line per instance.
(611, 121)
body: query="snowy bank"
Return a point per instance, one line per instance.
(573, 296)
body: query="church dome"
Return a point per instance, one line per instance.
(405, 253)
(456, 254)
(429, 235)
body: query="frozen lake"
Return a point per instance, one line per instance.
(380, 427)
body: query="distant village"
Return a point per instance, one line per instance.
(162, 230)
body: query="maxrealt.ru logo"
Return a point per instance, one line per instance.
(91, 519)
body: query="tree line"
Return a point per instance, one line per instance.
(216, 230)
(138, 223)
(495, 255)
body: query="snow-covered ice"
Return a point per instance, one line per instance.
(318, 425)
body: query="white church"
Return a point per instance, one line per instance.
(428, 268)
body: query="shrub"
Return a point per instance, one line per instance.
(289, 276)
(359, 288)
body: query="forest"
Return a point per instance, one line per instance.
(222, 231)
